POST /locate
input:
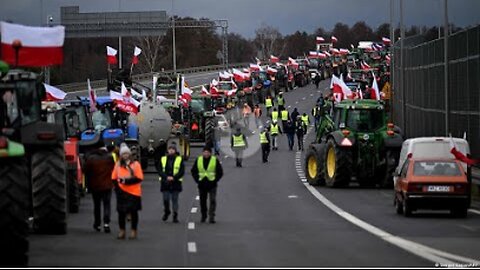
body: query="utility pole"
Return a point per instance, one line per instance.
(173, 41)
(119, 40)
(402, 69)
(445, 76)
(392, 50)
(47, 69)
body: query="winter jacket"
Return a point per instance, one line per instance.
(98, 171)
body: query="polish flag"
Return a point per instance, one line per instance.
(186, 92)
(214, 82)
(239, 76)
(344, 51)
(322, 56)
(136, 52)
(340, 88)
(271, 71)
(124, 100)
(53, 93)
(461, 156)
(334, 51)
(205, 91)
(327, 53)
(376, 90)
(334, 39)
(231, 92)
(313, 54)
(214, 90)
(274, 59)
(386, 41)
(40, 46)
(92, 96)
(292, 62)
(111, 56)
(246, 71)
(320, 40)
(182, 101)
(258, 61)
(364, 65)
(255, 67)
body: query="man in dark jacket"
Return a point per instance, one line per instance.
(294, 115)
(207, 172)
(289, 129)
(265, 143)
(301, 130)
(98, 175)
(171, 171)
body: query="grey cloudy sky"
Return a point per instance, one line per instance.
(245, 16)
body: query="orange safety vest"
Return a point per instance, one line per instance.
(121, 172)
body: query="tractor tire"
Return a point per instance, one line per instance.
(209, 129)
(49, 189)
(14, 208)
(314, 168)
(392, 157)
(338, 165)
(73, 192)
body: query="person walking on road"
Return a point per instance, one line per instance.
(289, 129)
(207, 172)
(284, 116)
(317, 80)
(258, 113)
(127, 177)
(294, 115)
(305, 119)
(268, 104)
(98, 172)
(275, 131)
(246, 113)
(265, 143)
(274, 115)
(316, 115)
(171, 173)
(280, 102)
(301, 130)
(239, 144)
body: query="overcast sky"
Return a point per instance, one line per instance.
(244, 16)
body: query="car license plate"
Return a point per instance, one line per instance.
(439, 189)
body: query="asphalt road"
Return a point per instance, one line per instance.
(267, 216)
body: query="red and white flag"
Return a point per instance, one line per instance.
(334, 39)
(40, 46)
(376, 90)
(292, 62)
(461, 156)
(111, 56)
(344, 51)
(340, 88)
(186, 92)
(239, 76)
(327, 54)
(92, 96)
(214, 89)
(205, 91)
(231, 92)
(320, 40)
(334, 51)
(386, 41)
(124, 100)
(255, 67)
(214, 82)
(271, 71)
(364, 65)
(258, 61)
(136, 52)
(53, 93)
(313, 54)
(274, 59)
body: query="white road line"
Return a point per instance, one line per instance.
(292, 196)
(192, 247)
(474, 211)
(289, 107)
(304, 98)
(197, 198)
(194, 210)
(191, 225)
(296, 102)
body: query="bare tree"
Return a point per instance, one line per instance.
(152, 49)
(268, 40)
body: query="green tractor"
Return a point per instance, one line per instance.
(357, 143)
(32, 171)
(202, 119)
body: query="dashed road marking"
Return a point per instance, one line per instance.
(197, 198)
(194, 210)
(292, 196)
(304, 98)
(474, 211)
(191, 225)
(192, 247)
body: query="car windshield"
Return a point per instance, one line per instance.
(197, 105)
(101, 120)
(365, 120)
(436, 168)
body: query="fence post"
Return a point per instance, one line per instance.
(445, 55)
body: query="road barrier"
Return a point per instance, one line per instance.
(79, 86)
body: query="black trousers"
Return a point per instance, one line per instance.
(238, 155)
(122, 220)
(265, 151)
(99, 198)
(300, 141)
(210, 194)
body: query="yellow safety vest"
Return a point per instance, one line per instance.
(176, 165)
(274, 129)
(280, 101)
(268, 103)
(114, 156)
(284, 115)
(305, 119)
(275, 115)
(210, 172)
(238, 141)
(263, 138)
(316, 111)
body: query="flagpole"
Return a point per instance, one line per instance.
(445, 76)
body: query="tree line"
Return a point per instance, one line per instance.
(86, 58)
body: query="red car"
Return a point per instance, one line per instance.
(432, 184)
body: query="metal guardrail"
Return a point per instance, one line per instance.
(82, 86)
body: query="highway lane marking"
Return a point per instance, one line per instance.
(292, 196)
(474, 211)
(304, 98)
(191, 225)
(296, 102)
(468, 228)
(197, 198)
(194, 210)
(192, 247)
(428, 253)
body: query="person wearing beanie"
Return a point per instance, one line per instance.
(207, 172)
(171, 171)
(127, 177)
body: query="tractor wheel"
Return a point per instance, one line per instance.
(73, 192)
(338, 165)
(209, 129)
(49, 190)
(14, 200)
(391, 160)
(314, 166)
